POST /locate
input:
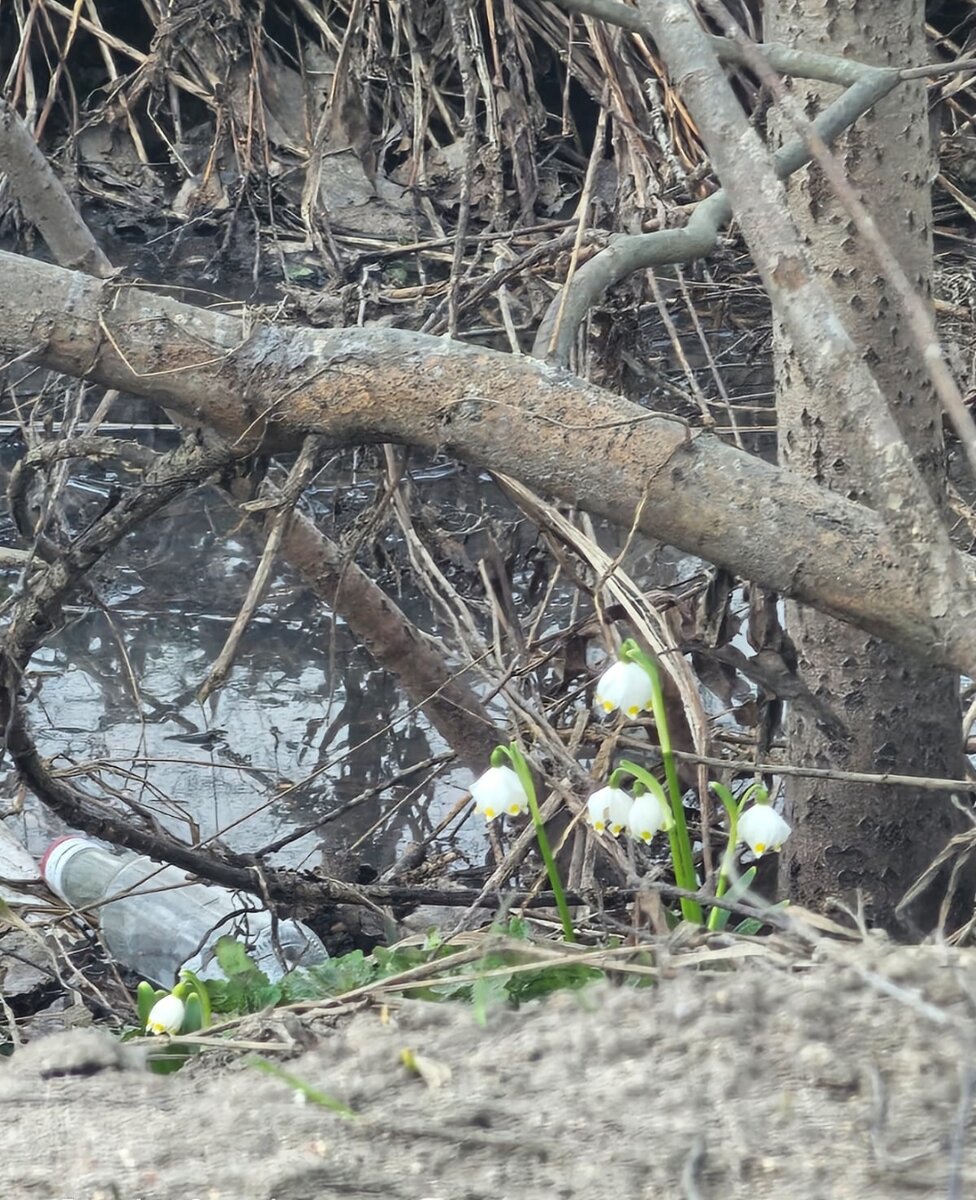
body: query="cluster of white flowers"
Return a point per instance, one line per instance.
(628, 687)
(612, 810)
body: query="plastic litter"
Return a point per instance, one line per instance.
(155, 921)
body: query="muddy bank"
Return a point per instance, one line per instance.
(850, 1075)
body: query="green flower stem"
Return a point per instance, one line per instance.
(681, 858)
(681, 853)
(755, 791)
(521, 768)
(644, 781)
(716, 916)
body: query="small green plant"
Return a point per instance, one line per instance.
(633, 685)
(247, 989)
(510, 789)
(506, 973)
(185, 1009)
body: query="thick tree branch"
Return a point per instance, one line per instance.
(272, 385)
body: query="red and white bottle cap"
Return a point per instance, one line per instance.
(57, 856)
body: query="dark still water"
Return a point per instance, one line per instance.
(304, 724)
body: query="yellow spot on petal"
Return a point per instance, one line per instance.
(514, 809)
(633, 710)
(606, 705)
(599, 826)
(490, 814)
(759, 848)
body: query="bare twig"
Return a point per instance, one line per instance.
(881, 779)
(298, 478)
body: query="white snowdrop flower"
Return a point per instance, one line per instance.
(626, 686)
(597, 814)
(608, 809)
(598, 809)
(647, 815)
(499, 791)
(166, 1015)
(762, 829)
(618, 810)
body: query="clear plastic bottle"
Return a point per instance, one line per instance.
(155, 922)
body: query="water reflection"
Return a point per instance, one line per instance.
(304, 706)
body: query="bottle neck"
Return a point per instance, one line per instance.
(79, 870)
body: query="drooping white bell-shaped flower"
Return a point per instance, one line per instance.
(618, 811)
(762, 829)
(607, 809)
(499, 791)
(626, 686)
(166, 1015)
(647, 815)
(597, 810)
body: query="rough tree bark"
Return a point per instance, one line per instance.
(901, 712)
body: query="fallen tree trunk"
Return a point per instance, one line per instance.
(258, 383)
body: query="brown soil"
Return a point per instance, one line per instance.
(848, 1075)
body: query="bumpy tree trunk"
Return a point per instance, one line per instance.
(900, 713)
